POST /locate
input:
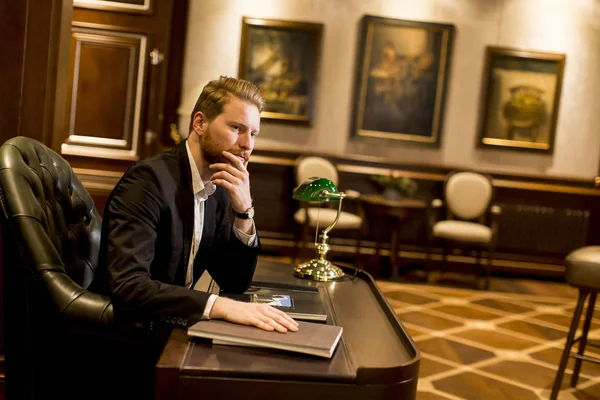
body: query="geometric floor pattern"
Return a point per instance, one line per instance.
(489, 345)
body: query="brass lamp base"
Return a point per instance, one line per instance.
(318, 270)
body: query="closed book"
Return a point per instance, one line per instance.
(311, 338)
(299, 303)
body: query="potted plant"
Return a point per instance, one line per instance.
(395, 186)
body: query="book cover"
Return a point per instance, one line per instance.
(311, 338)
(300, 303)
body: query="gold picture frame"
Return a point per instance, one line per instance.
(401, 80)
(282, 59)
(521, 98)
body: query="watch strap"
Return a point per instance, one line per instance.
(244, 215)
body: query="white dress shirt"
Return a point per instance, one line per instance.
(201, 192)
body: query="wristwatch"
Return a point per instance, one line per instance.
(248, 214)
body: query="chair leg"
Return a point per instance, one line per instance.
(296, 249)
(445, 251)
(583, 340)
(300, 244)
(297, 240)
(428, 253)
(305, 233)
(479, 272)
(570, 337)
(488, 270)
(358, 243)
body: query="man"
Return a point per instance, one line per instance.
(167, 220)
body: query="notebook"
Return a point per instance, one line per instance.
(302, 303)
(311, 338)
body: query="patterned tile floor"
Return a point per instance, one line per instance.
(490, 345)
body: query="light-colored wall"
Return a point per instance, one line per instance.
(566, 26)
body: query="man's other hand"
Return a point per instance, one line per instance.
(262, 316)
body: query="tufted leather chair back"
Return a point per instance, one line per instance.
(50, 241)
(51, 218)
(45, 201)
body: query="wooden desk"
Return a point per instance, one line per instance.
(380, 209)
(375, 359)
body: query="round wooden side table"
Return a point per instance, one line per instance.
(379, 209)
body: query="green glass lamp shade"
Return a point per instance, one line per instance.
(316, 189)
(319, 190)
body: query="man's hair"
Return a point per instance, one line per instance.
(217, 93)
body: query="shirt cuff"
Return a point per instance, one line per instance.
(209, 305)
(248, 240)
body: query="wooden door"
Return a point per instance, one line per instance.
(119, 68)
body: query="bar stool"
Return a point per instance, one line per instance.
(582, 268)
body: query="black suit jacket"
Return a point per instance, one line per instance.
(147, 236)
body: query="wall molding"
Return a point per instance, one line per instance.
(436, 173)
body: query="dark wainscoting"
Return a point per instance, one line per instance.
(543, 218)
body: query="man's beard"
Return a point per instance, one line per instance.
(212, 152)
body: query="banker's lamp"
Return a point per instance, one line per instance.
(320, 190)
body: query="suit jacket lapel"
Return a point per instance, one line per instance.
(208, 230)
(185, 206)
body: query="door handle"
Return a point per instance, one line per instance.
(153, 124)
(156, 57)
(149, 137)
(597, 181)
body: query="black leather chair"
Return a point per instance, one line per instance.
(62, 341)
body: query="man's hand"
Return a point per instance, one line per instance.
(260, 315)
(235, 179)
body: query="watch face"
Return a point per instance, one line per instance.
(250, 212)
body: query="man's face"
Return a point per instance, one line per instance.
(233, 130)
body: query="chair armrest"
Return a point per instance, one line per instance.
(352, 194)
(436, 203)
(495, 212)
(87, 312)
(353, 199)
(433, 213)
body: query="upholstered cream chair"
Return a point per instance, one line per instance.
(309, 215)
(466, 218)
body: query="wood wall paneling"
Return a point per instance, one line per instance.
(13, 19)
(174, 67)
(120, 63)
(272, 186)
(130, 6)
(106, 89)
(34, 48)
(33, 86)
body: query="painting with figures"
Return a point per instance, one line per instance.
(281, 58)
(401, 79)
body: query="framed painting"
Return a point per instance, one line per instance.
(521, 94)
(401, 79)
(282, 59)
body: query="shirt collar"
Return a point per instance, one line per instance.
(204, 189)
